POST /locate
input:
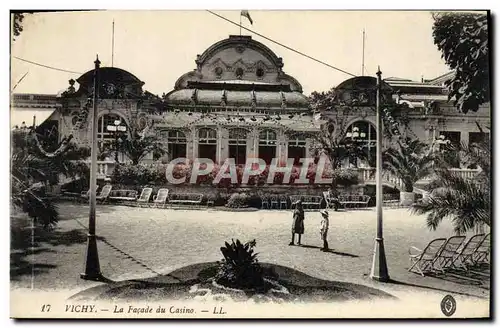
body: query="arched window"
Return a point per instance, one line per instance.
(297, 148)
(365, 134)
(103, 133)
(176, 142)
(108, 135)
(207, 143)
(238, 145)
(267, 145)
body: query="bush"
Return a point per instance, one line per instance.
(238, 200)
(346, 177)
(240, 268)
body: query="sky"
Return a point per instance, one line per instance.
(159, 46)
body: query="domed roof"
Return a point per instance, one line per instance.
(110, 74)
(361, 91)
(221, 98)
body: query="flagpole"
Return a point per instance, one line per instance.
(113, 44)
(240, 23)
(363, 60)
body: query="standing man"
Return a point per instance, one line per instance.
(325, 223)
(298, 222)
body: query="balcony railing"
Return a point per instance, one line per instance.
(368, 175)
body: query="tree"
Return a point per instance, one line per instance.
(17, 24)
(33, 170)
(137, 147)
(409, 160)
(466, 201)
(463, 40)
(331, 139)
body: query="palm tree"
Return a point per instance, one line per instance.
(466, 201)
(137, 147)
(410, 161)
(33, 170)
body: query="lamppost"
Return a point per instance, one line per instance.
(92, 267)
(117, 127)
(379, 270)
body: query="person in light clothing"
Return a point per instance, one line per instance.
(325, 223)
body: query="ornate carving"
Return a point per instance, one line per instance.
(240, 49)
(247, 66)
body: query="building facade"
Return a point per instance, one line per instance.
(239, 103)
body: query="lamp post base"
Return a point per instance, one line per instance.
(379, 265)
(92, 267)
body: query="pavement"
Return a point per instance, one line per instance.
(145, 242)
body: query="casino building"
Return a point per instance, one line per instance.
(237, 102)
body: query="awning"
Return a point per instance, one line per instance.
(20, 115)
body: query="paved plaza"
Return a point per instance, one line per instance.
(144, 242)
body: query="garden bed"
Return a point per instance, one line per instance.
(196, 282)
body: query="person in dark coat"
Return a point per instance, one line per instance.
(298, 222)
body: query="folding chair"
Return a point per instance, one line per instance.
(423, 261)
(86, 194)
(465, 255)
(274, 201)
(445, 258)
(160, 198)
(265, 201)
(283, 202)
(482, 253)
(103, 196)
(145, 196)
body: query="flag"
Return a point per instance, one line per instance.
(246, 14)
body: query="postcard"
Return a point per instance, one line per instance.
(250, 164)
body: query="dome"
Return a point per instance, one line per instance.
(220, 98)
(110, 74)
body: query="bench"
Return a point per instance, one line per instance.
(354, 200)
(123, 195)
(307, 201)
(186, 199)
(390, 199)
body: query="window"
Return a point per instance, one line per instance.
(297, 148)
(207, 143)
(477, 137)
(238, 145)
(365, 134)
(107, 139)
(176, 141)
(452, 156)
(267, 145)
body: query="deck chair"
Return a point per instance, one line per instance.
(265, 201)
(274, 201)
(283, 201)
(444, 260)
(423, 260)
(482, 253)
(145, 196)
(160, 198)
(104, 194)
(465, 255)
(86, 194)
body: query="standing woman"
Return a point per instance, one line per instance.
(325, 224)
(298, 222)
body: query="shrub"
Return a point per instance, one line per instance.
(240, 268)
(346, 177)
(238, 200)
